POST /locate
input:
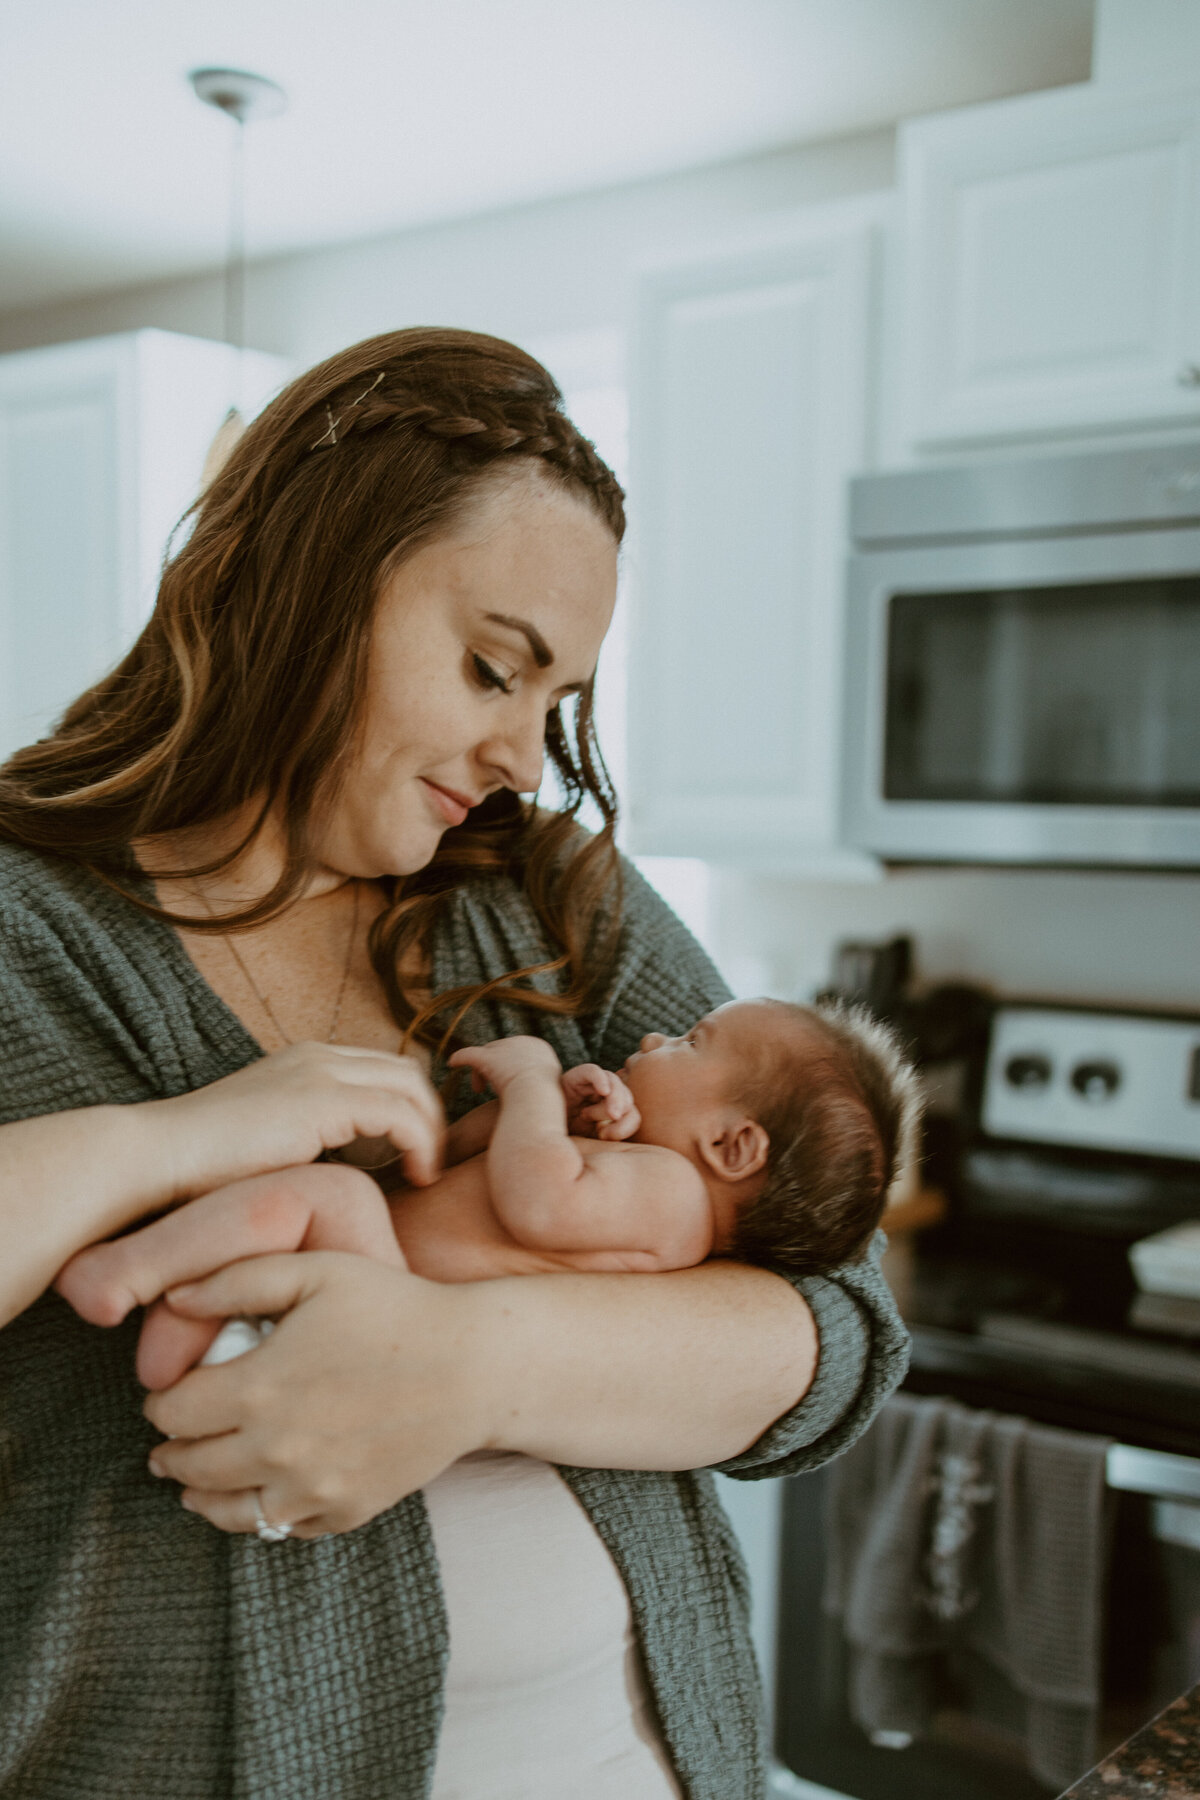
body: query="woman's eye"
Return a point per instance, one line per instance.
(489, 677)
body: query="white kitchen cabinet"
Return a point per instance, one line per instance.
(1049, 278)
(748, 411)
(102, 444)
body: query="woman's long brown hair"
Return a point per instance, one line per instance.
(244, 688)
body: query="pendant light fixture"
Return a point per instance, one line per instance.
(242, 97)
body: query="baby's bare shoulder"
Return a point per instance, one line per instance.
(659, 1168)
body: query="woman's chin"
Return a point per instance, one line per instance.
(414, 854)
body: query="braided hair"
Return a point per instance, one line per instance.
(244, 687)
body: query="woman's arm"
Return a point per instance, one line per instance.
(376, 1380)
(66, 1180)
(69, 1179)
(603, 1371)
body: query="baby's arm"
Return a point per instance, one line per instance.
(551, 1192)
(318, 1206)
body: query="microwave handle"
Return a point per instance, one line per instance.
(1153, 1472)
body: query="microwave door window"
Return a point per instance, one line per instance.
(1082, 695)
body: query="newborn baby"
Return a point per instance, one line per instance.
(769, 1133)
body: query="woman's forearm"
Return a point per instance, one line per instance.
(67, 1179)
(671, 1371)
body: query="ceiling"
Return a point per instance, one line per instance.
(404, 112)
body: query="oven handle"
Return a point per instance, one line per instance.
(1154, 1472)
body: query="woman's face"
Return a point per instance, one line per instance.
(476, 638)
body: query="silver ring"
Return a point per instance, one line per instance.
(268, 1533)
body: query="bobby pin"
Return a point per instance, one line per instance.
(329, 436)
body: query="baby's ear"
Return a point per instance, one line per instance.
(739, 1151)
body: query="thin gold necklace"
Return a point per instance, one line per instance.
(331, 1035)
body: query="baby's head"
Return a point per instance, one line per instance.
(798, 1117)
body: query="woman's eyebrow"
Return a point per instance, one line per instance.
(543, 656)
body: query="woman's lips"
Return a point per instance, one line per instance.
(452, 807)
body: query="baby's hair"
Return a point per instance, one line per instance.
(842, 1116)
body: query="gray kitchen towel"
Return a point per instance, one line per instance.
(955, 1534)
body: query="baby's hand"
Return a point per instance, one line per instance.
(599, 1104)
(498, 1063)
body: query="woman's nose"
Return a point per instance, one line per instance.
(519, 754)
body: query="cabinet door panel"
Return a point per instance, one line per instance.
(102, 444)
(748, 412)
(1096, 297)
(1051, 249)
(62, 580)
(734, 521)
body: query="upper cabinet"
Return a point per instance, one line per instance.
(1049, 268)
(749, 409)
(102, 446)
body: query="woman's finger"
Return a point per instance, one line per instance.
(403, 1122)
(421, 1142)
(395, 1074)
(262, 1286)
(204, 1403)
(228, 1512)
(238, 1513)
(220, 1464)
(210, 1401)
(169, 1345)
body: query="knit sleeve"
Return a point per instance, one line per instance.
(862, 1358)
(663, 981)
(63, 1043)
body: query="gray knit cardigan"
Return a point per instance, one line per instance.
(145, 1655)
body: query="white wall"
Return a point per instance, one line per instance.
(1141, 43)
(530, 273)
(1130, 940)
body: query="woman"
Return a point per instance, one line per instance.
(293, 813)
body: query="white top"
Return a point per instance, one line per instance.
(545, 1693)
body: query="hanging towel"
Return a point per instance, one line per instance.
(955, 1534)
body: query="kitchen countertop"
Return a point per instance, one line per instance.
(1159, 1762)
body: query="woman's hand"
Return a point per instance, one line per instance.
(318, 1206)
(293, 1105)
(373, 1383)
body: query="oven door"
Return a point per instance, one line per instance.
(1152, 1649)
(1026, 701)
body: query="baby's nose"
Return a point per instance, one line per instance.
(652, 1040)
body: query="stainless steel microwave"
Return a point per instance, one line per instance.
(1023, 661)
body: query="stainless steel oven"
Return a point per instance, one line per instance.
(1023, 661)
(1082, 1138)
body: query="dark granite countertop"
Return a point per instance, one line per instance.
(1159, 1762)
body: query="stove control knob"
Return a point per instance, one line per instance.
(1028, 1072)
(1096, 1081)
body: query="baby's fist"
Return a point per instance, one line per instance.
(599, 1104)
(498, 1063)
